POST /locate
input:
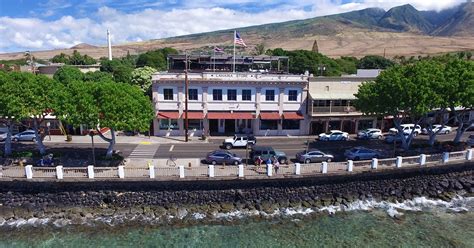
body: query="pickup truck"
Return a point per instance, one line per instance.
(239, 141)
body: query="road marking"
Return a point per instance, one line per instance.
(145, 143)
(171, 148)
(144, 151)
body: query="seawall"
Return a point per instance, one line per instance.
(73, 200)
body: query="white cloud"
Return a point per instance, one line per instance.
(19, 34)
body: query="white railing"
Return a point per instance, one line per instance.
(227, 171)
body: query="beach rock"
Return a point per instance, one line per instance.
(6, 212)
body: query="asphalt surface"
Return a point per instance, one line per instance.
(290, 146)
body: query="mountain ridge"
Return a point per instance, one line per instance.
(402, 30)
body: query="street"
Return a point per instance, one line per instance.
(289, 145)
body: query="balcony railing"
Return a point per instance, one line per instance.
(334, 109)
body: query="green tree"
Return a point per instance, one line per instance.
(9, 108)
(156, 59)
(67, 74)
(98, 76)
(375, 62)
(117, 106)
(404, 92)
(123, 74)
(35, 96)
(458, 92)
(348, 65)
(259, 49)
(142, 78)
(60, 58)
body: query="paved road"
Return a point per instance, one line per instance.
(199, 150)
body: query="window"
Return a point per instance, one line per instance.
(291, 124)
(231, 95)
(268, 124)
(293, 95)
(194, 124)
(169, 124)
(321, 103)
(246, 95)
(193, 94)
(217, 95)
(168, 94)
(270, 95)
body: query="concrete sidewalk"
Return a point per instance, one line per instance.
(155, 140)
(122, 139)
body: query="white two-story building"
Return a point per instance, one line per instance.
(229, 103)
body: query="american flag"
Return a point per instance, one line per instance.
(238, 40)
(218, 49)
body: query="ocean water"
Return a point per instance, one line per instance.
(417, 223)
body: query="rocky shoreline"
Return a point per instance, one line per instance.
(176, 200)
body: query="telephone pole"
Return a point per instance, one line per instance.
(186, 85)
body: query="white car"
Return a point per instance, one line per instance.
(440, 128)
(334, 135)
(370, 133)
(407, 129)
(3, 136)
(470, 140)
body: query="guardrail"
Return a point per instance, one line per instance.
(226, 172)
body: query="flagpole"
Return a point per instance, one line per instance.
(235, 34)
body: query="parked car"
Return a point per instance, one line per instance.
(28, 135)
(313, 156)
(436, 128)
(334, 135)
(239, 141)
(361, 153)
(407, 129)
(470, 140)
(3, 136)
(266, 152)
(221, 157)
(390, 138)
(370, 133)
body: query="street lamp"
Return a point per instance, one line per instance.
(321, 69)
(91, 133)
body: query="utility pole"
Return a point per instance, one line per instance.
(186, 85)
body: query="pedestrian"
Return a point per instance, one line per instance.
(276, 164)
(258, 161)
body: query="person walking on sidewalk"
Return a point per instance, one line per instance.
(276, 164)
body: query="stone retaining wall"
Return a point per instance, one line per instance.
(27, 199)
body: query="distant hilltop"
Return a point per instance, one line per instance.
(400, 31)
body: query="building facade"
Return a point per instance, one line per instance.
(331, 104)
(227, 103)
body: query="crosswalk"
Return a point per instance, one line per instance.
(145, 150)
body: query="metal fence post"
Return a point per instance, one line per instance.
(350, 165)
(399, 161)
(241, 170)
(324, 167)
(121, 171)
(151, 168)
(269, 170)
(59, 172)
(422, 159)
(29, 171)
(375, 163)
(90, 171)
(469, 154)
(297, 169)
(181, 171)
(445, 157)
(211, 170)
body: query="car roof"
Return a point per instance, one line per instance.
(262, 148)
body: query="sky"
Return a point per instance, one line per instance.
(31, 25)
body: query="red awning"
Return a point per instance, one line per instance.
(229, 115)
(194, 115)
(168, 115)
(292, 116)
(269, 115)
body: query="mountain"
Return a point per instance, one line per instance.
(402, 30)
(405, 18)
(461, 23)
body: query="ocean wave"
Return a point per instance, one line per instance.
(393, 209)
